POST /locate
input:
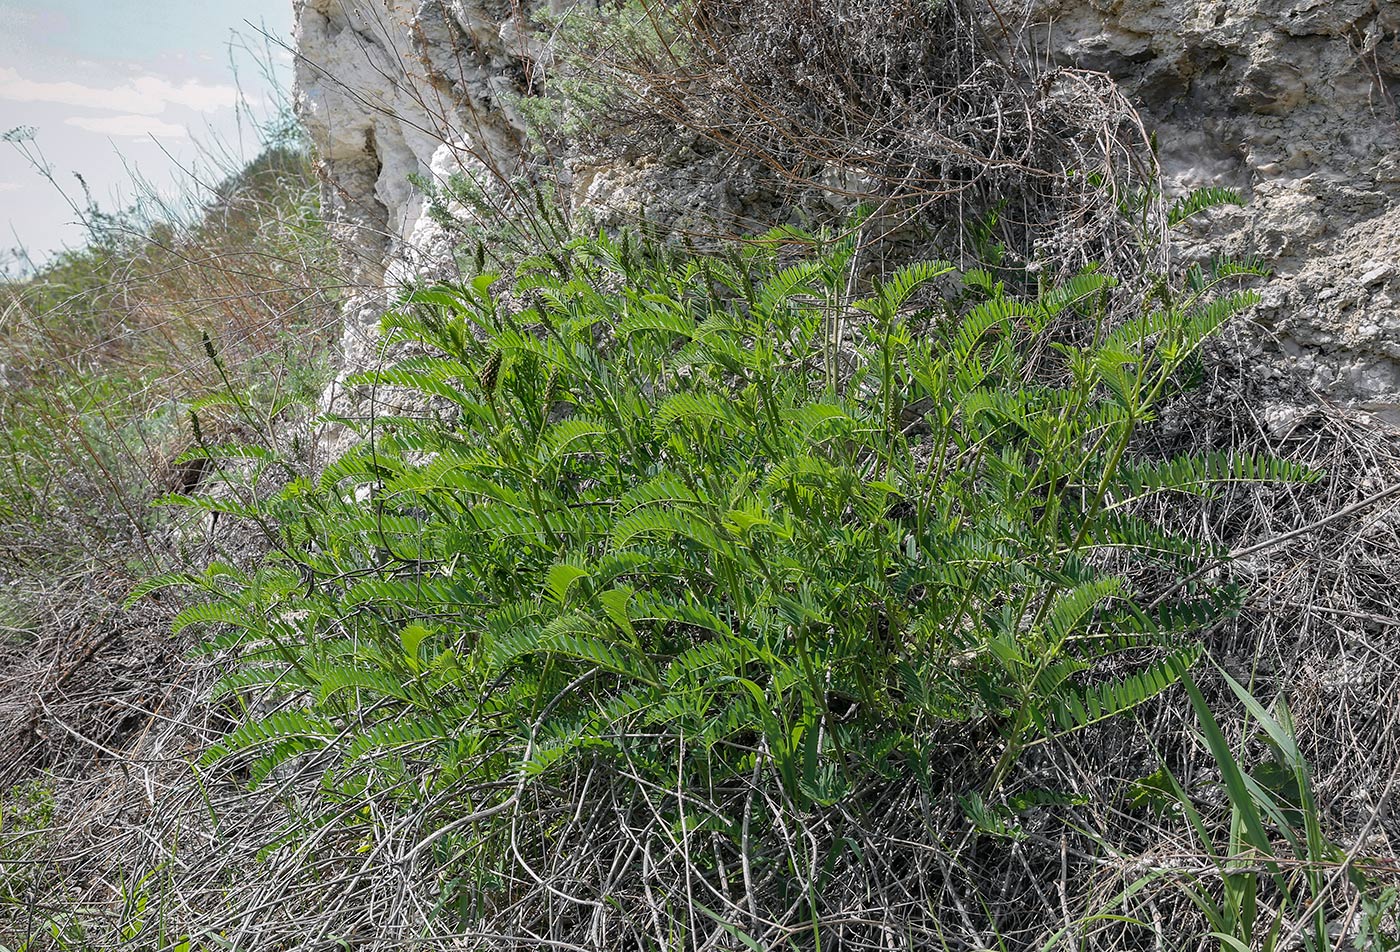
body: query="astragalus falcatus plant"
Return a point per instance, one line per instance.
(714, 548)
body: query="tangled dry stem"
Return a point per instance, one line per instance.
(908, 106)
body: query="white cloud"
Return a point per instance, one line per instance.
(145, 95)
(129, 126)
(10, 186)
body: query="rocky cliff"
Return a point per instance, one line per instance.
(1293, 102)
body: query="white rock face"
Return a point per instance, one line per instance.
(395, 92)
(1291, 101)
(1294, 103)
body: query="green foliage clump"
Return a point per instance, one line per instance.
(721, 521)
(1270, 866)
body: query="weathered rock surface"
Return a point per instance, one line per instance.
(1291, 101)
(1294, 103)
(394, 91)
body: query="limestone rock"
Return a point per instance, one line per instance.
(1294, 103)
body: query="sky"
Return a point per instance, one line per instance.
(123, 90)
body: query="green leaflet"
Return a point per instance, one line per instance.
(1200, 200)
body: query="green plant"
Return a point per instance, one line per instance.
(1282, 882)
(493, 223)
(103, 343)
(102, 357)
(26, 813)
(715, 521)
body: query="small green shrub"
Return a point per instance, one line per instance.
(708, 519)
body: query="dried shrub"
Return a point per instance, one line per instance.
(910, 105)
